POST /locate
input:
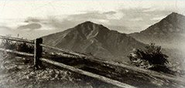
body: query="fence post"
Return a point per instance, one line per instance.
(37, 53)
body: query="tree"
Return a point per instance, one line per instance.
(150, 58)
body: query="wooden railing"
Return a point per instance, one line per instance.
(38, 58)
(16, 39)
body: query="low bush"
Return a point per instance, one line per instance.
(150, 58)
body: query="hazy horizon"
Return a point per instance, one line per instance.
(32, 19)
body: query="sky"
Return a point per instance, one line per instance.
(35, 18)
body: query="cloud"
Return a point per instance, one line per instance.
(48, 16)
(149, 10)
(110, 13)
(133, 19)
(88, 16)
(31, 19)
(75, 19)
(30, 26)
(95, 16)
(5, 28)
(61, 24)
(116, 15)
(137, 19)
(157, 18)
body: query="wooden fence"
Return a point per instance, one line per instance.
(38, 59)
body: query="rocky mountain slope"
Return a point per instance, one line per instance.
(168, 32)
(96, 40)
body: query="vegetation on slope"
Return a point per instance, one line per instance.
(150, 58)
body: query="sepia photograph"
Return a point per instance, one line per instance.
(92, 44)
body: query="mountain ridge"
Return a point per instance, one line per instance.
(95, 39)
(168, 30)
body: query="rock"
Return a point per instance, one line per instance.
(20, 67)
(126, 71)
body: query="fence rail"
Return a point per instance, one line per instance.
(38, 54)
(61, 50)
(16, 52)
(17, 39)
(99, 77)
(38, 57)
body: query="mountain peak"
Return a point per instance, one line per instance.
(89, 27)
(175, 16)
(173, 23)
(87, 23)
(90, 24)
(174, 13)
(169, 29)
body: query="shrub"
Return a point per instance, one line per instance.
(18, 46)
(7, 44)
(150, 58)
(23, 47)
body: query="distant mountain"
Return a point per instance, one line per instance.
(95, 39)
(169, 32)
